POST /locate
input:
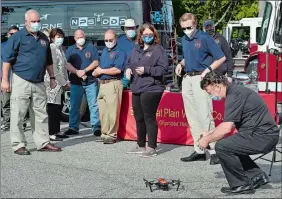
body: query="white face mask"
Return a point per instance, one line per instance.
(131, 33)
(189, 33)
(110, 44)
(59, 41)
(80, 41)
(35, 27)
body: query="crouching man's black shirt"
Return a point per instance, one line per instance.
(248, 111)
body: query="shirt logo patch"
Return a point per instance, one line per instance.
(112, 55)
(217, 41)
(87, 54)
(43, 42)
(198, 44)
(148, 54)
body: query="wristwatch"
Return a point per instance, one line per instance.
(52, 77)
(210, 68)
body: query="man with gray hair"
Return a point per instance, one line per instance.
(112, 64)
(29, 54)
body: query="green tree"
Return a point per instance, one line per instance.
(220, 11)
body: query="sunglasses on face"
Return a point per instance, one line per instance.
(109, 40)
(187, 28)
(35, 21)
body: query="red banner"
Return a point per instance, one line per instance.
(171, 118)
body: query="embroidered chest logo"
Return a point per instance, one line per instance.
(43, 42)
(88, 55)
(112, 55)
(148, 54)
(217, 41)
(198, 44)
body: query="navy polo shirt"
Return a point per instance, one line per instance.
(81, 59)
(126, 45)
(115, 57)
(200, 51)
(29, 56)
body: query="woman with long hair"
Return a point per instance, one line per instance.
(147, 65)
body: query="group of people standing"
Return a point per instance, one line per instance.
(138, 58)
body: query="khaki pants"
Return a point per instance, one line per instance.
(198, 108)
(109, 102)
(32, 96)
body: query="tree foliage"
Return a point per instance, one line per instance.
(221, 11)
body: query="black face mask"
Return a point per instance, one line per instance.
(211, 31)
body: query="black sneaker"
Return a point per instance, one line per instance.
(71, 132)
(97, 133)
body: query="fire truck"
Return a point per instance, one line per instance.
(264, 70)
(242, 36)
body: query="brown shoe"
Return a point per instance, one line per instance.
(50, 148)
(22, 151)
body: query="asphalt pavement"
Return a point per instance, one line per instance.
(89, 169)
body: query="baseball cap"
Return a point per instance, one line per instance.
(208, 22)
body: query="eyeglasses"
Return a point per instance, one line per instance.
(109, 40)
(35, 21)
(147, 35)
(187, 28)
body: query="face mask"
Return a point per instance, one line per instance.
(148, 39)
(110, 44)
(59, 41)
(189, 33)
(211, 31)
(35, 27)
(215, 98)
(80, 41)
(131, 33)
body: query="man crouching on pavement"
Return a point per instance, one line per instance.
(257, 133)
(111, 67)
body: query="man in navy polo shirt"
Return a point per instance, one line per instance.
(28, 52)
(227, 66)
(127, 42)
(82, 59)
(110, 93)
(199, 51)
(5, 97)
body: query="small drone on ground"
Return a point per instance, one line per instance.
(162, 183)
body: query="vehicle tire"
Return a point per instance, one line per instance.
(66, 107)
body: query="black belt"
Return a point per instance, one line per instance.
(105, 81)
(194, 73)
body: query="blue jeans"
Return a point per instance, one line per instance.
(76, 95)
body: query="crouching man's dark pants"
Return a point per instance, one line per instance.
(234, 151)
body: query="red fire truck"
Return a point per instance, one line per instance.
(265, 71)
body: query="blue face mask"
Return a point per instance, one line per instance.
(148, 39)
(215, 98)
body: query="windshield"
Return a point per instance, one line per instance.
(278, 27)
(242, 33)
(265, 23)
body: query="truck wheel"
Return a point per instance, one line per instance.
(66, 107)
